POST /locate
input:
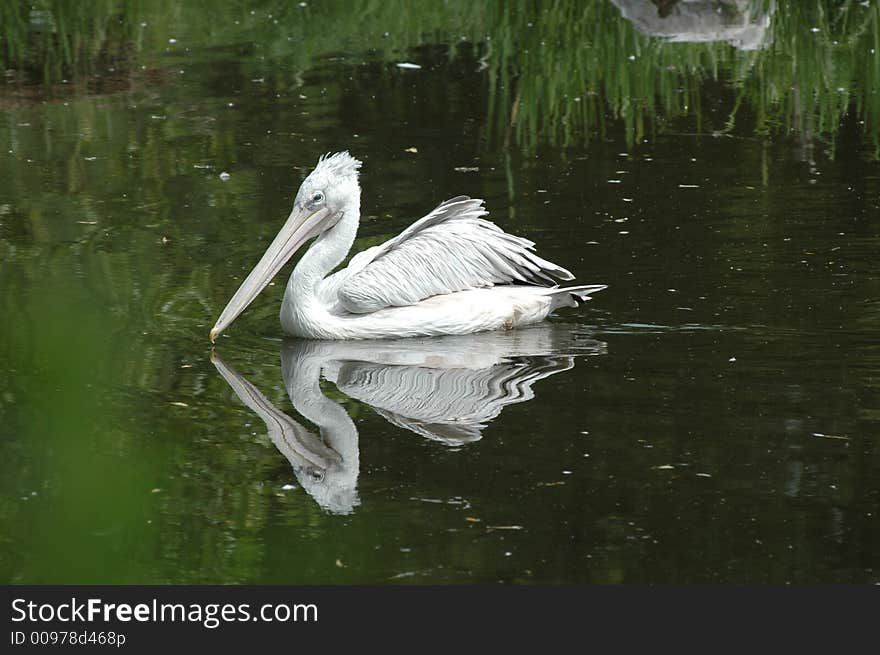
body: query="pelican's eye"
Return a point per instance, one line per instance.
(316, 474)
(317, 199)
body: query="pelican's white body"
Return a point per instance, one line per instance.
(312, 307)
(462, 312)
(450, 272)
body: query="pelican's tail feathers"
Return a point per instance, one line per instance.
(571, 296)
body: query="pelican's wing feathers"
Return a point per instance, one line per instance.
(450, 249)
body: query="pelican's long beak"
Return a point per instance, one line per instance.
(301, 225)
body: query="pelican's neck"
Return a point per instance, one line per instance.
(326, 253)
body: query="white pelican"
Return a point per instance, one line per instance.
(450, 272)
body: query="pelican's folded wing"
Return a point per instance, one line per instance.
(450, 249)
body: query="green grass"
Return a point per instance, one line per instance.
(558, 73)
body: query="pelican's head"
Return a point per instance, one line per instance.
(324, 197)
(332, 184)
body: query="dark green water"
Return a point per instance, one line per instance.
(711, 417)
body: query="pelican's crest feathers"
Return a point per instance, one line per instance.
(338, 164)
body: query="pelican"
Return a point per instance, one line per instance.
(450, 272)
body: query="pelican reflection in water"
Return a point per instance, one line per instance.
(445, 389)
(451, 272)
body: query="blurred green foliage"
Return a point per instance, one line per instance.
(556, 72)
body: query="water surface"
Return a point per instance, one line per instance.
(711, 417)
